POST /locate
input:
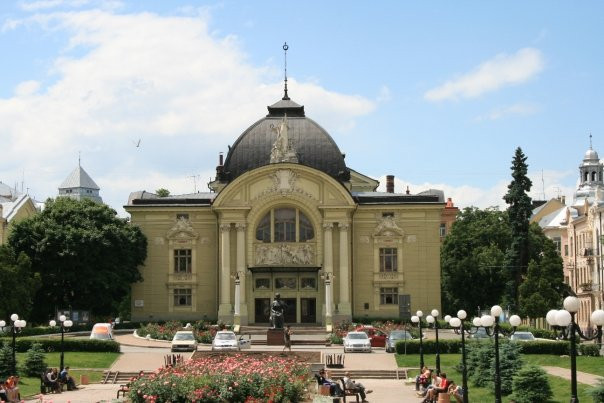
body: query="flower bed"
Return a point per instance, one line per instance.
(226, 377)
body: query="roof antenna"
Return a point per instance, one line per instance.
(285, 47)
(589, 132)
(79, 159)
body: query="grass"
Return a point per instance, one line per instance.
(560, 386)
(90, 364)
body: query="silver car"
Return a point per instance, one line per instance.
(357, 341)
(225, 340)
(395, 336)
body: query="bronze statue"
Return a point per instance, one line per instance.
(278, 308)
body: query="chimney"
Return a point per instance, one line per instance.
(220, 159)
(563, 199)
(449, 203)
(408, 191)
(390, 183)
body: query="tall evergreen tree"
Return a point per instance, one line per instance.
(519, 213)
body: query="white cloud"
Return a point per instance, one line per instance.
(491, 75)
(520, 109)
(492, 195)
(168, 81)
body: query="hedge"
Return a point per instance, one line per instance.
(448, 346)
(23, 344)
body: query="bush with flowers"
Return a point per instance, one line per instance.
(204, 331)
(226, 377)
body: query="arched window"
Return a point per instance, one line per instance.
(593, 176)
(284, 225)
(586, 176)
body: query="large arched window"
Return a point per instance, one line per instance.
(284, 225)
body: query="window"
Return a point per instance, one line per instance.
(263, 283)
(308, 283)
(286, 283)
(284, 225)
(558, 242)
(183, 216)
(388, 214)
(565, 250)
(389, 296)
(442, 230)
(182, 297)
(182, 260)
(388, 259)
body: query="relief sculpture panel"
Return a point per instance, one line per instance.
(281, 254)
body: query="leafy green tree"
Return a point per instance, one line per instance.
(519, 213)
(162, 192)
(87, 257)
(543, 286)
(19, 283)
(472, 258)
(35, 360)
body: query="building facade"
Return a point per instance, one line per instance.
(14, 207)
(286, 215)
(577, 231)
(79, 185)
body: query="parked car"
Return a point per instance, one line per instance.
(377, 336)
(522, 336)
(226, 340)
(184, 340)
(395, 336)
(102, 331)
(480, 334)
(357, 341)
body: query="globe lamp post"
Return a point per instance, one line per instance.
(433, 319)
(66, 324)
(492, 320)
(458, 327)
(563, 321)
(18, 324)
(417, 318)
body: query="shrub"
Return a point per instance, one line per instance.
(6, 360)
(24, 343)
(429, 346)
(334, 338)
(510, 362)
(479, 357)
(597, 393)
(35, 362)
(531, 385)
(545, 347)
(481, 364)
(591, 350)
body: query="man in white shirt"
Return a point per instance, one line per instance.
(355, 387)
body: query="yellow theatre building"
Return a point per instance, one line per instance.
(286, 215)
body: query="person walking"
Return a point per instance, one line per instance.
(287, 338)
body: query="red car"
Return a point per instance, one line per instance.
(376, 336)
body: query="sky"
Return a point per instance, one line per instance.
(440, 94)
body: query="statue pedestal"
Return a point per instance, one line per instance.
(274, 337)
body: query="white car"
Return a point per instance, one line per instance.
(102, 331)
(357, 341)
(522, 336)
(184, 340)
(225, 340)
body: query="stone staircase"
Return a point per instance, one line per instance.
(119, 377)
(337, 373)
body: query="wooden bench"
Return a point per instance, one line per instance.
(123, 390)
(349, 392)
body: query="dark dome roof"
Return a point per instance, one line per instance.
(313, 145)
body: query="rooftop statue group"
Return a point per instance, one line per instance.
(278, 308)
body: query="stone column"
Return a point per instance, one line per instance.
(328, 268)
(344, 309)
(224, 310)
(241, 271)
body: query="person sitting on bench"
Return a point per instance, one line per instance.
(355, 387)
(334, 388)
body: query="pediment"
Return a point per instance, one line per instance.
(182, 229)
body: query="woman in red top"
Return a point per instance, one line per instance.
(442, 388)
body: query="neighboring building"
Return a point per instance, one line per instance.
(449, 216)
(287, 215)
(14, 207)
(79, 185)
(577, 231)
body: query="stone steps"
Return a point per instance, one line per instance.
(120, 377)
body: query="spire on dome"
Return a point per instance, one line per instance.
(285, 47)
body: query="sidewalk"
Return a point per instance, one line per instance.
(582, 377)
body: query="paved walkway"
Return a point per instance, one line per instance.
(582, 377)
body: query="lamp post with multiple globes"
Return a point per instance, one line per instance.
(18, 324)
(563, 321)
(65, 325)
(458, 327)
(433, 319)
(417, 318)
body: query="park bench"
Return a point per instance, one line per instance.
(349, 392)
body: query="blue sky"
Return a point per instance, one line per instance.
(439, 94)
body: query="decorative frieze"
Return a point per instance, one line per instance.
(280, 254)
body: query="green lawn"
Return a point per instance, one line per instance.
(91, 364)
(560, 387)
